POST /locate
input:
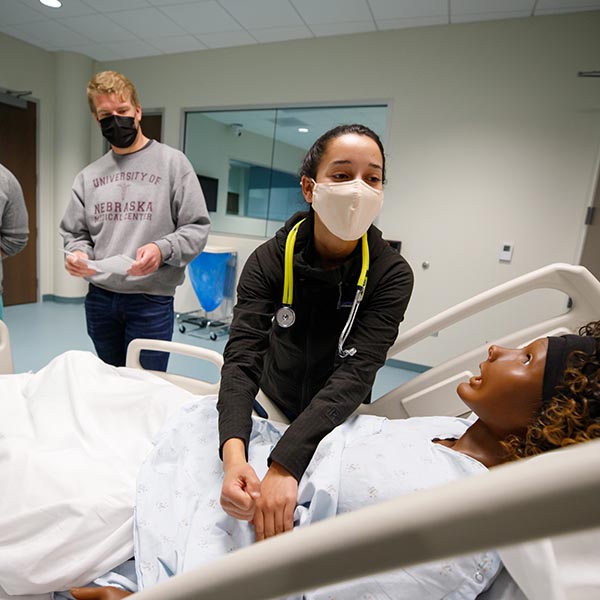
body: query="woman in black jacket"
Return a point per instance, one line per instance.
(318, 307)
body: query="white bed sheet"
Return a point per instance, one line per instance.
(72, 437)
(565, 567)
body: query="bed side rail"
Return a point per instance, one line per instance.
(433, 392)
(491, 510)
(575, 281)
(6, 359)
(195, 386)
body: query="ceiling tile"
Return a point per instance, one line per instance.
(281, 34)
(98, 28)
(97, 52)
(332, 11)
(171, 2)
(489, 16)
(13, 13)
(386, 24)
(224, 39)
(262, 14)
(178, 43)
(53, 33)
(480, 7)
(202, 17)
(342, 28)
(133, 49)
(147, 22)
(13, 31)
(152, 27)
(103, 6)
(408, 9)
(72, 8)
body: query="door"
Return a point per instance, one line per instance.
(590, 257)
(18, 153)
(151, 125)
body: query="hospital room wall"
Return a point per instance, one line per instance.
(492, 138)
(57, 83)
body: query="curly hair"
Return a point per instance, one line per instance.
(111, 82)
(573, 414)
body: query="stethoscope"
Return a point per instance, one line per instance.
(286, 316)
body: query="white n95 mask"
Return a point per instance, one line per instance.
(347, 208)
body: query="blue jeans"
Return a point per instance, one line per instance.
(114, 319)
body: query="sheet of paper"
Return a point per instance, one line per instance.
(119, 263)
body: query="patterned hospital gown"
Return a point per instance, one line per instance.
(180, 524)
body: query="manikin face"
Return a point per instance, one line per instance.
(113, 104)
(508, 393)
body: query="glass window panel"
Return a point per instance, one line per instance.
(248, 160)
(221, 145)
(296, 131)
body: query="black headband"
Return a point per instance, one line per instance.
(559, 350)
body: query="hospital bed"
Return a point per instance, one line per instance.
(511, 504)
(6, 361)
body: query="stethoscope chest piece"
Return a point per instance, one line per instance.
(285, 316)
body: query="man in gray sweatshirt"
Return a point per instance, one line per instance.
(143, 200)
(14, 231)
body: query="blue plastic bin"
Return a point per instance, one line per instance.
(210, 276)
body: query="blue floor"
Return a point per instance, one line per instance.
(41, 331)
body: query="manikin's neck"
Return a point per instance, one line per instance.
(479, 443)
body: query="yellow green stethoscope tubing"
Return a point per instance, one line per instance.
(288, 267)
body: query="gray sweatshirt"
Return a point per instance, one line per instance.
(14, 231)
(122, 202)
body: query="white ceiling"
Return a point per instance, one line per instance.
(115, 29)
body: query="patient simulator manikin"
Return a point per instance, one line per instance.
(529, 400)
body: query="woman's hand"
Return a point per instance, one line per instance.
(241, 488)
(99, 593)
(275, 507)
(241, 485)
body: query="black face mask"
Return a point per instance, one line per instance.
(119, 131)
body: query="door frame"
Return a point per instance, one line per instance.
(593, 201)
(34, 226)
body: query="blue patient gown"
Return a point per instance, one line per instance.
(179, 523)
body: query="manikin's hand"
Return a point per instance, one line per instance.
(99, 593)
(275, 507)
(77, 267)
(147, 260)
(241, 488)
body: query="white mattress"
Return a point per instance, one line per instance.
(72, 437)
